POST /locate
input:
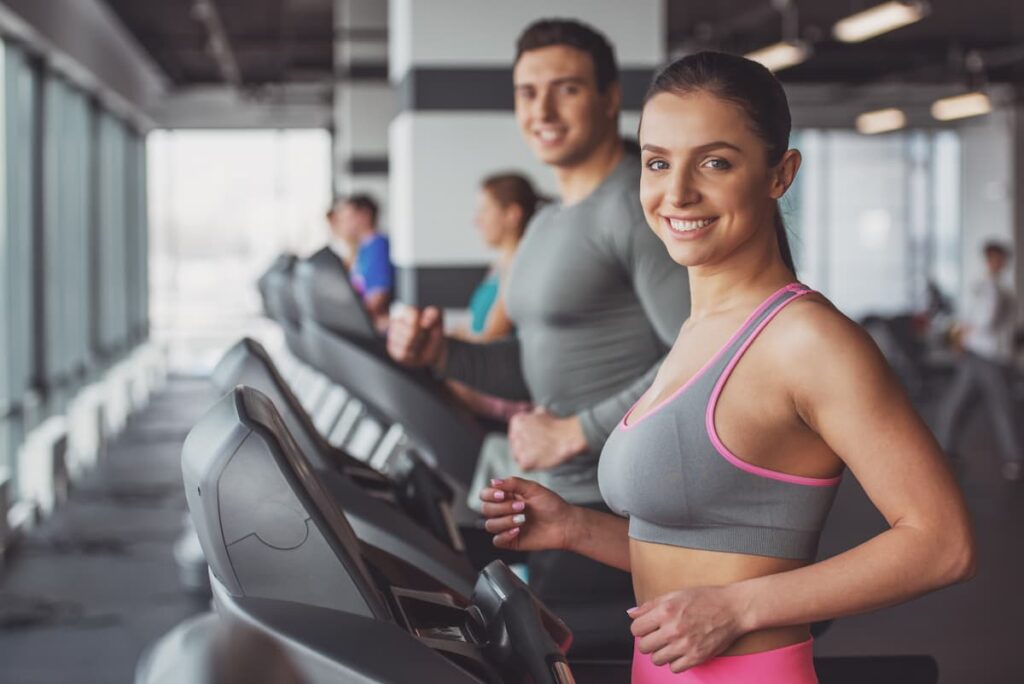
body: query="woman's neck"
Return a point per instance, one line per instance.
(507, 250)
(742, 278)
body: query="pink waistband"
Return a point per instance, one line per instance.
(792, 664)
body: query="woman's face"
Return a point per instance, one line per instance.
(491, 219)
(705, 185)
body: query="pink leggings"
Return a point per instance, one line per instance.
(787, 665)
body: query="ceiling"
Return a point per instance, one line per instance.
(271, 41)
(290, 41)
(930, 51)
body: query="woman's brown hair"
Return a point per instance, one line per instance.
(514, 188)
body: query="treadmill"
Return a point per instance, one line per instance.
(401, 476)
(446, 434)
(328, 296)
(279, 295)
(285, 559)
(283, 263)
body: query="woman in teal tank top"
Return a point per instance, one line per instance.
(484, 297)
(506, 204)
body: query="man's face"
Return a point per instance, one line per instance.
(336, 225)
(996, 261)
(560, 111)
(351, 222)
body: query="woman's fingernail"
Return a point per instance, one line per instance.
(519, 506)
(496, 482)
(519, 519)
(499, 495)
(513, 532)
(632, 610)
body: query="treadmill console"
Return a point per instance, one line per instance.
(504, 635)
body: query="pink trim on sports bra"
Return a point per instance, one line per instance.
(624, 425)
(713, 403)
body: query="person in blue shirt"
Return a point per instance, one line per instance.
(371, 272)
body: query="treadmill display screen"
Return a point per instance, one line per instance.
(446, 632)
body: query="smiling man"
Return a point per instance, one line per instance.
(595, 299)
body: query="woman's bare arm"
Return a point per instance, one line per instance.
(498, 324)
(525, 516)
(844, 390)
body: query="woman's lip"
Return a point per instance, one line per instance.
(689, 234)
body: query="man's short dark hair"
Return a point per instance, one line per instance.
(994, 248)
(550, 32)
(364, 202)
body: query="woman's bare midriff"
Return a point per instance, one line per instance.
(661, 569)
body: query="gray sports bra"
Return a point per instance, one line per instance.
(678, 484)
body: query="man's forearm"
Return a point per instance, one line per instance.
(597, 422)
(493, 367)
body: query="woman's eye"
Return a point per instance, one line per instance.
(716, 163)
(657, 165)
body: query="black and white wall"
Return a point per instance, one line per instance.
(364, 100)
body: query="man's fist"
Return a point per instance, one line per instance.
(416, 338)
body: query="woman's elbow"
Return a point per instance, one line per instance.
(961, 556)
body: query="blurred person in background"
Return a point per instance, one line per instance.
(507, 202)
(985, 340)
(354, 225)
(340, 242)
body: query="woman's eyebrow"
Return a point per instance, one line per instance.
(700, 148)
(716, 144)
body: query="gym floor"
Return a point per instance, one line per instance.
(95, 584)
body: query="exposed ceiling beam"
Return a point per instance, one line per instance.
(219, 46)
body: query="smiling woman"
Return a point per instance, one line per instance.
(726, 468)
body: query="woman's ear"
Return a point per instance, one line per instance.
(513, 215)
(784, 173)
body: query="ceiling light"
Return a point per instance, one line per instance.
(961, 106)
(781, 55)
(881, 121)
(880, 19)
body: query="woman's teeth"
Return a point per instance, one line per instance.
(686, 226)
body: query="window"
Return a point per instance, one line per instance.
(223, 205)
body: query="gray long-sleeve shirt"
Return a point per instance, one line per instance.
(596, 302)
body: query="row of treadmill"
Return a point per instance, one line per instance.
(327, 497)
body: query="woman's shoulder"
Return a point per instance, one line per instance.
(812, 336)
